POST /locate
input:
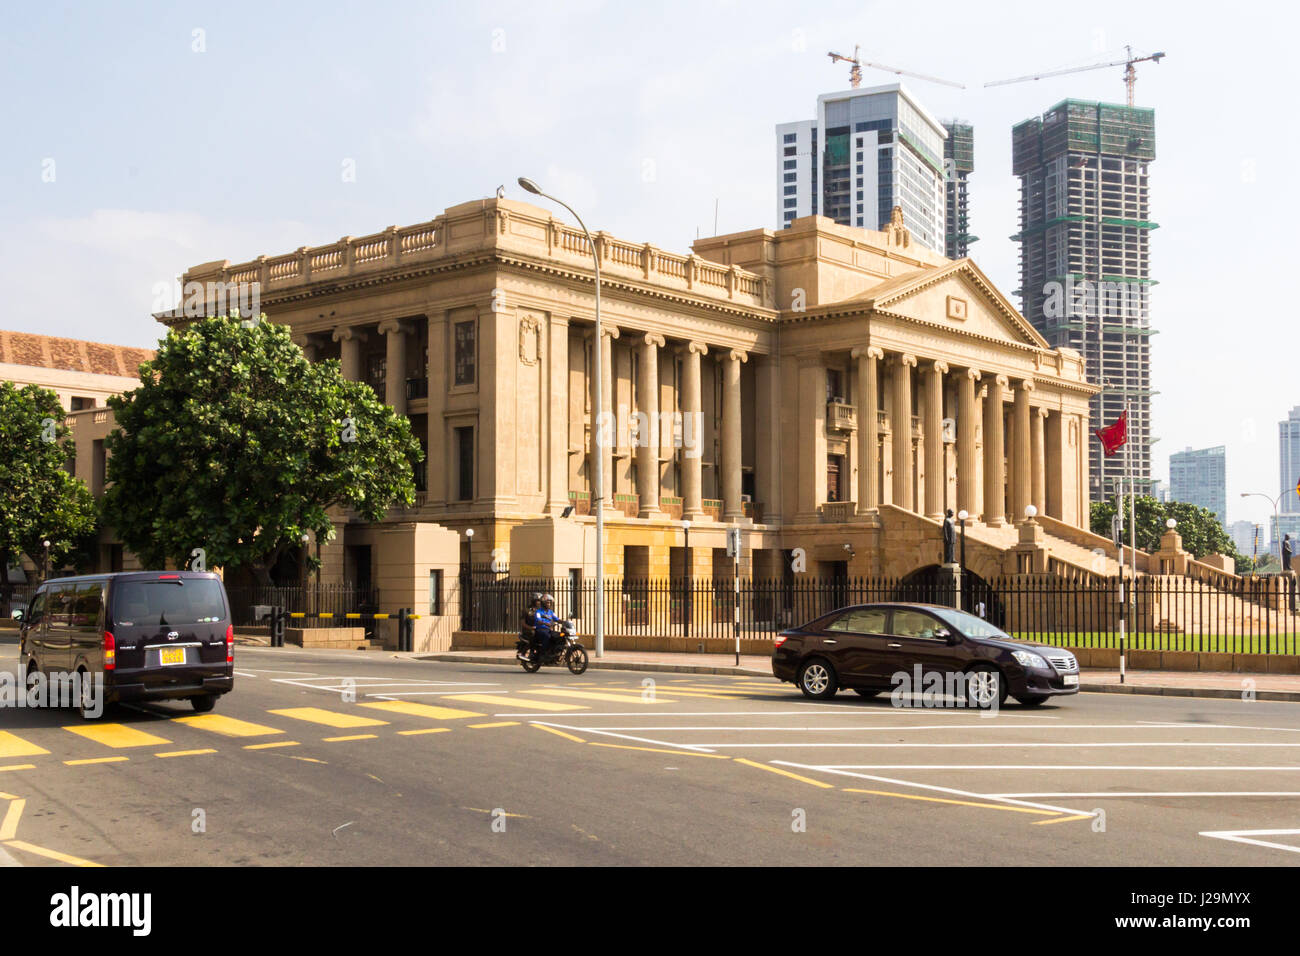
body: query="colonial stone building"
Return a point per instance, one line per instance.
(824, 387)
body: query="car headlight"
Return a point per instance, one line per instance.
(1030, 660)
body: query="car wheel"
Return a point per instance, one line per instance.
(1030, 701)
(204, 704)
(863, 692)
(817, 679)
(985, 687)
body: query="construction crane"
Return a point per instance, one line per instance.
(1130, 74)
(855, 71)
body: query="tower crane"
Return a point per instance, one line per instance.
(855, 70)
(1130, 74)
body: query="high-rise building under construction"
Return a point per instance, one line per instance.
(958, 164)
(1084, 260)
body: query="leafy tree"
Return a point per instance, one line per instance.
(236, 444)
(39, 500)
(1200, 529)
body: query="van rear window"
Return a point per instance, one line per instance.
(182, 601)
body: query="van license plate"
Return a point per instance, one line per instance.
(1071, 680)
(171, 655)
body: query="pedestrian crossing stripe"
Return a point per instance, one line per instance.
(11, 745)
(514, 702)
(630, 697)
(329, 718)
(227, 726)
(414, 709)
(117, 736)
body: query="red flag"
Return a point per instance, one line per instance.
(1115, 435)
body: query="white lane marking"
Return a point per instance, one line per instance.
(1242, 836)
(696, 713)
(987, 725)
(1189, 725)
(243, 674)
(1076, 746)
(1121, 794)
(1034, 766)
(267, 670)
(928, 786)
(351, 683)
(643, 740)
(401, 694)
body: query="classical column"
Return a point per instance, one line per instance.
(732, 507)
(1038, 460)
(557, 421)
(647, 444)
(934, 470)
(901, 424)
(692, 450)
(436, 426)
(868, 446)
(994, 467)
(1020, 452)
(966, 440)
(310, 347)
(395, 363)
(604, 428)
(349, 339)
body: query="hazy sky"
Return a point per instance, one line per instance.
(168, 147)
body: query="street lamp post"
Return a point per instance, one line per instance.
(45, 562)
(597, 455)
(1277, 523)
(688, 593)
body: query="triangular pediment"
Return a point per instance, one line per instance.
(958, 294)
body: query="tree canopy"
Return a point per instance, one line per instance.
(236, 444)
(1200, 529)
(39, 500)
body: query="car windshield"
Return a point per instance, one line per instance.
(970, 625)
(180, 601)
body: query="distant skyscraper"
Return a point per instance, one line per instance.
(1249, 536)
(867, 151)
(1084, 269)
(1288, 456)
(958, 164)
(1199, 477)
(1160, 490)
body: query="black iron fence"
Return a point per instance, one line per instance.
(1229, 615)
(251, 605)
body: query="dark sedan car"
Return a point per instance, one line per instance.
(872, 648)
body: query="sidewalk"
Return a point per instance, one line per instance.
(1228, 685)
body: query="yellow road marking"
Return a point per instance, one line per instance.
(514, 702)
(227, 726)
(426, 730)
(499, 723)
(19, 766)
(960, 803)
(336, 740)
(1080, 816)
(11, 745)
(51, 854)
(559, 733)
(621, 698)
(308, 759)
(279, 743)
(82, 763)
(784, 773)
(414, 709)
(8, 796)
(9, 827)
(185, 753)
(117, 736)
(699, 694)
(656, 750)
(329, 718)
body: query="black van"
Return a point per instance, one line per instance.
(153, 635)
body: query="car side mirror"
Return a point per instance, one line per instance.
(947, 635)
(18, 614)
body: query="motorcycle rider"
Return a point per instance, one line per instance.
(544, 620)
(527, 627)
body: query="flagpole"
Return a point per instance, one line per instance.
(1132, 516)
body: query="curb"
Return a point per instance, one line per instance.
(460, 658)
(1223, 693)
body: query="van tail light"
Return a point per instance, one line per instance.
(780, 639)
(110, 652)
(230, 643)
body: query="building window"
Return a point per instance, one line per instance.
(435, 592)
(790, 164)
(834, 466)
(790, 190)
(834, 385)
(465, 463)
(790, 203)
(80, 403)
(789, 177)
(466, 348)
(789, 138)
(789, 150)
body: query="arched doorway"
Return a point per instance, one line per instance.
(924, 586)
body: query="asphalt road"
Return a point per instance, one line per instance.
(365, 759)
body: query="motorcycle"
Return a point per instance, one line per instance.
(565, 649)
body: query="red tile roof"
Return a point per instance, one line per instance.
(73, 355)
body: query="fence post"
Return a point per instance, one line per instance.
(278, 615)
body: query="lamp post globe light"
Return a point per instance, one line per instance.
(597, 450)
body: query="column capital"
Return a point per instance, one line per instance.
(869, 351)
(1025, 385)
(1041, 411)
(738, 355)
(347, 333)
(608, 331)
(697, 347)
(904, 359)
(652, 338)
(389, 326)
(940, 366)
(1001, 380)
(973, 374)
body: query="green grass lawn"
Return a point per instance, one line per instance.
(1205, 644)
